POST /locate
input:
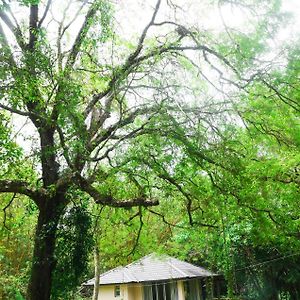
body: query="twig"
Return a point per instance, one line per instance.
(5, 208)
(139, 232)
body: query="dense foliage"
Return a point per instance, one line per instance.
(201, 119)
(74, 243)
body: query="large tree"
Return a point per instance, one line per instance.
(88, 94)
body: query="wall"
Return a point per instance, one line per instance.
(128, 292)
(107, 292)
(131, 292)
(135, 292)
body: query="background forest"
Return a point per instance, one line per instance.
(152, 126)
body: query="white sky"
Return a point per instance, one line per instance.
(135, 14)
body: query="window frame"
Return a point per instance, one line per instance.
(117, 291)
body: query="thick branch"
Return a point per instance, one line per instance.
(14, 29)
(33, 24)
(21, 187)
(109, 200)
(4, 42)
(15, 111)
(33, 104)
(45, 13)
(48, 156)
(81, 35)
(144, 33)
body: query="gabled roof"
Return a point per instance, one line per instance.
(152, 267)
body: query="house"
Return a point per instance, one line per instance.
(155, 277)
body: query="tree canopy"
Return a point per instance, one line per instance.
(184, 121)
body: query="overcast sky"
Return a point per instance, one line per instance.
(134, 14)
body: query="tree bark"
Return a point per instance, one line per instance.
(39, 287)
(97, 272)
(48, 156)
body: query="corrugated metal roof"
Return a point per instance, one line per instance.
(152, 268)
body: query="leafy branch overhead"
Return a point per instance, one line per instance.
(64, 103)
(175, 113)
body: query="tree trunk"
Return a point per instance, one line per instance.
(97, 272)
(43, 256)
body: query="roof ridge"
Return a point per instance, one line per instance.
(126, 271)
(191, 264)
(169, 262)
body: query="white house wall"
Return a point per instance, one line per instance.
(135, 292)
(131, 292)
(127, 292)
(107, 292)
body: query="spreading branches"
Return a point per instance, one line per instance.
(135, 59)
(108, 200)
(189, 203)
(132, 134)
(163, 218)
(195, 223)
(269, 212)
(129, 119)
(124, 70)
(285, 99)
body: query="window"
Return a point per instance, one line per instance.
(192, 290)
(117, 291)
(168, 290)
(161, 291)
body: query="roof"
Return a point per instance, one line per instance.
(152, 267)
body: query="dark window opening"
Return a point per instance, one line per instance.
(117, 291)
(161, 291)
(192, 289)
